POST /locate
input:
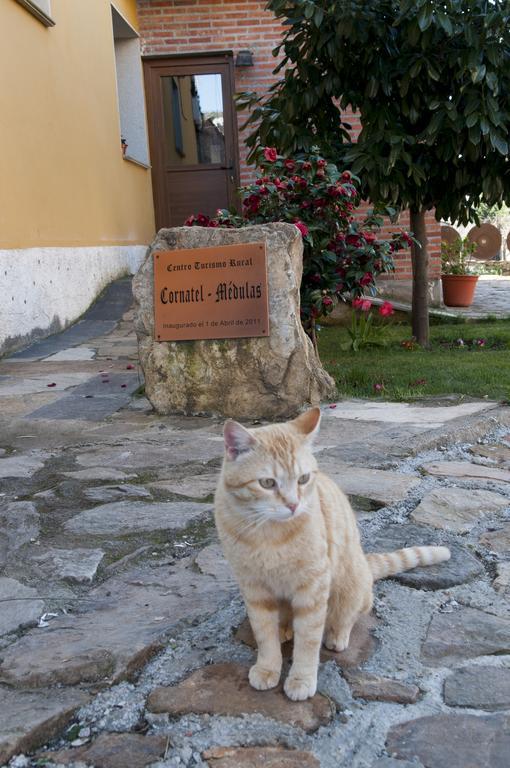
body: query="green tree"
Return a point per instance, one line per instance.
(431, 83)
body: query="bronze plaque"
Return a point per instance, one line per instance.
(211, 293)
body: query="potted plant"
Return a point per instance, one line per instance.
(457, 274)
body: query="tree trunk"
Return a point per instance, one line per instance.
(420, 262)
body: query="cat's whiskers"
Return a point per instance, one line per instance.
(254, 521)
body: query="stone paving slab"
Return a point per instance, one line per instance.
(454, 509)
(123, 517)
(380, 486)
(223, 689)
(30, 718)
(114, 750)
(497, 541)
(77, 566)
(461, 567)
(20, 466)
(378, 688)
(466, 469)
(259, 757)
(453, 741)
(50, 382)
(80, 407)
(71, 354)
(499, 454)
(120, 626)
(20, 605)
(404, 413)
(196, 487)
(479, 687)
(465, 634)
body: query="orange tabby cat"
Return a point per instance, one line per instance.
(292, 540)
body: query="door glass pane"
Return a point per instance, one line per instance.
(193, 120)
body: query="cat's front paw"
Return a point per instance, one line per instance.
(337, 642)
(262, 679)
(300, 688)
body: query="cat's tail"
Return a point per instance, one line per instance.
(390, 563)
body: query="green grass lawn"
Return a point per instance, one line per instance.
(448, 368)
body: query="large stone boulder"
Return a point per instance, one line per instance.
(253, 378)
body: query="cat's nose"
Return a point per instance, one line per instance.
(291, 506)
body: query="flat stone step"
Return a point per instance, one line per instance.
(259, 757)
(224, 689)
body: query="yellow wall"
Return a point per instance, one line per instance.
(63, 180)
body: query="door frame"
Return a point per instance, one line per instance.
(155, 64)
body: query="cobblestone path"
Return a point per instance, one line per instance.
(123, 640)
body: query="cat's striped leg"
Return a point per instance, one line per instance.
(264, 619)
(309, 606)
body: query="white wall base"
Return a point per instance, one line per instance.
(43, 290)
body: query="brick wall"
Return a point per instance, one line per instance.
(198, 26)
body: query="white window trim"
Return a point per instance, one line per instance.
(141, 156)
(34, 9)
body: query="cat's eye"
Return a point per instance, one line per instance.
(304, 479)
(267, 482)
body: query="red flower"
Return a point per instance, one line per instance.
(281, 185)
(386, 309)
(354, 240)
(346, 176)
(321, 173)
(366, 279)
(289, 165)
(370, 237)
(326, 301)
(408, 240)
(306, 166)
(202, 220)
(302, 227)
(378, 387)
(364, 304)
(321, 163)
(270, 154)
(189, 221)
(334, 191)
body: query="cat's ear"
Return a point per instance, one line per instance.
(237, 439)
(307, 424)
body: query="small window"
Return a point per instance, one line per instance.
(130, 90)
(41, 9)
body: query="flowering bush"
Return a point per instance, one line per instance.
(342, 256)
(363, 332)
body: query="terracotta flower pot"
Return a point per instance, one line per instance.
(458, 290)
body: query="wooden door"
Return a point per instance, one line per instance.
(193, 136)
